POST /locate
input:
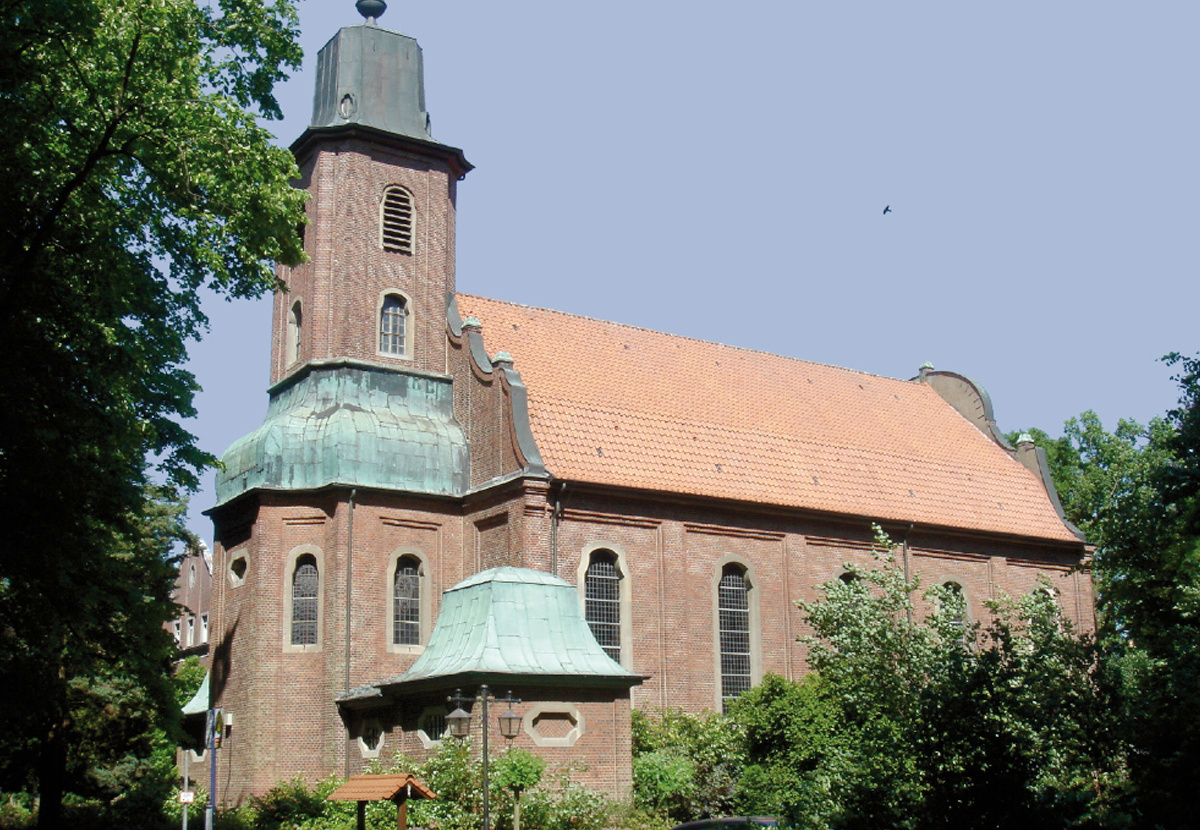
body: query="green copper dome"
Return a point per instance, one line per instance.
(352, 425)
(514, 622)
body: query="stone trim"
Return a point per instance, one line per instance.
(529, 724)
(289, 568)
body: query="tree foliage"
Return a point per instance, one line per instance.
(134, 174)
(686, 766)
(791, 731)
(915, 718)
(1136, 494)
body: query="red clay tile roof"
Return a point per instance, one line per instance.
(619, 405)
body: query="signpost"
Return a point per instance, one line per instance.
(213, 730)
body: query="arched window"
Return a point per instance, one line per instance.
(396, 220)
(960, 600)
(733, 612)
(306, 583)
(294, 326)
(406, 602)
(602, 601)
(392, 320)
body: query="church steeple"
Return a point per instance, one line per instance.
(361, 394)
(371, 76)
(381, 220)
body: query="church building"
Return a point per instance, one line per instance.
(452, 490)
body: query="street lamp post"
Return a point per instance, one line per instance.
(459, 722)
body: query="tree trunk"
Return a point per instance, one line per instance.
(52, 774)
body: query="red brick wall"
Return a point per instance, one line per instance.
(598, 758)
(341, 287)
(284, 720)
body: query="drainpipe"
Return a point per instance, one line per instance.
(907, 578)
(349, 588)
(555, 517)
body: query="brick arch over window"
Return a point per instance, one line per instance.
(304, 599)
(409, 602)
(736, 630)
(394, 324)
(605, 591)
(397, 221)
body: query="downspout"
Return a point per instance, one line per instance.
(555, 518)
(907, 578)
(349, 588)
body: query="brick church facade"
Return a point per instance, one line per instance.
(688, 493)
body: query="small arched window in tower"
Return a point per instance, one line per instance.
(396, 220)
(602, 601)
(393, 318)
(294, 326)
(406, 602)
(306, 583)
(733, 612)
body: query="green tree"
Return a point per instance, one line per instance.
(1135, 494)
(936, 725)
(791, 730)
(1111, 487)
(134, 173)
(517, 770)
(1152, 582)
(686, 766)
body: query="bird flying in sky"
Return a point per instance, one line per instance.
(887, 210)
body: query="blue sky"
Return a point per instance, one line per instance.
(720, 172)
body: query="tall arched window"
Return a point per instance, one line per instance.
(294, 326)
(406, 602)
(602, 601)
(396, 220)
(733, 612)
(306, 584)
(392, 319)
(960, 602)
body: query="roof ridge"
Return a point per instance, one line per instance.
(631, 326)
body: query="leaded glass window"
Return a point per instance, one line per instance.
(306, 583)
(406, 603)
(602, 601)
(392, 324)
(733, 612)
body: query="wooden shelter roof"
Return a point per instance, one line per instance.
(381, 788)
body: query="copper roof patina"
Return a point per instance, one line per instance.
(509, 625)
(342, 423)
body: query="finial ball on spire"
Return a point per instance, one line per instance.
(371, 9)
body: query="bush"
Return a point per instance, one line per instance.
(667, 744)
(16, 811)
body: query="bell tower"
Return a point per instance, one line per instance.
(343, 492)
(381, 218)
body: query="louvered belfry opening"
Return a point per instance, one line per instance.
(396, 230)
